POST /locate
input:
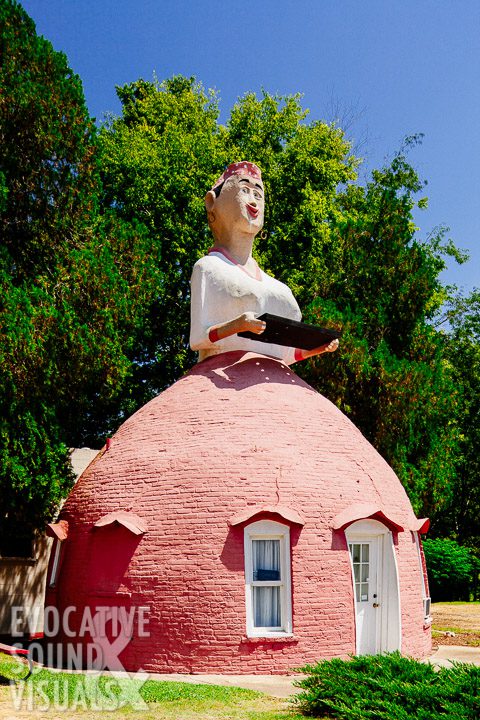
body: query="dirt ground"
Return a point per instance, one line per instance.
(463, 619)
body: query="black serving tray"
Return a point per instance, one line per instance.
(281, 331)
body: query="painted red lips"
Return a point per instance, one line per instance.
(253, 211)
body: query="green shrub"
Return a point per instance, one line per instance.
(451, 569)
(389, 687)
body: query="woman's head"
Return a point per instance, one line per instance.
(235, 204)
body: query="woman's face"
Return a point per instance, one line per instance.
(241, 204)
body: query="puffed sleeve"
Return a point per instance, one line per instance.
(199, 308)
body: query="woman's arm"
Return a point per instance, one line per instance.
(304, 354)
(246, 322)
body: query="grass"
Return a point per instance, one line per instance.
(461, 615)
(441, 629)
(457, 602)
(439, 632)
(92, 696)
(368, 688)
(461, 618)
(364, 688)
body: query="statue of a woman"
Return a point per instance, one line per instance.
(228, 289)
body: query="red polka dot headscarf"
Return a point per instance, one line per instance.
(239, 168)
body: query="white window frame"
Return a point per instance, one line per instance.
(56, 563)
(269, 530)
(427, 618)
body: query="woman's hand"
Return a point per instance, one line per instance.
(331, 347)
(328, 347)
(246, 322)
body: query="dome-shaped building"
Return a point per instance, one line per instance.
(250, 523)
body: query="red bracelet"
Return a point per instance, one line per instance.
(298, 354)
(213, 335)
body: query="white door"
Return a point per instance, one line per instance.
(375, 586)
(364, 556)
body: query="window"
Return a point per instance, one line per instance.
(423, 574)
(55, 563)
(267, 578)
(360, 553)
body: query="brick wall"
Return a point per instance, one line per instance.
(237, 432)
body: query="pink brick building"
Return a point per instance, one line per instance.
(254, 525)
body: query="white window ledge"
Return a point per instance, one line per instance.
(276, 638)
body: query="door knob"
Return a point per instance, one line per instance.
(375, 605)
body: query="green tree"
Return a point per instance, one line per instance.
(351, 254)
(462, 342)
(161, 156)
(47, 146)
(451, 569)
(101, 234)
(155, 161)
(74, 284)
(383, 289)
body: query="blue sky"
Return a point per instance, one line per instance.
(396, 67)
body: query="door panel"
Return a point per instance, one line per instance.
(375, 587)
(364, 557)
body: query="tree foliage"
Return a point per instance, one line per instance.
(384, 291)
(155, 160)
(73, 283)
(46, 137)
(351, 255)
(462, 350)
(100, 232)
(451, 569)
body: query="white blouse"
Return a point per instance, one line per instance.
(220, 291)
